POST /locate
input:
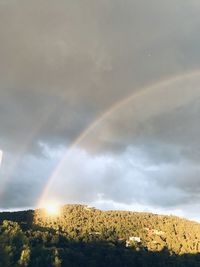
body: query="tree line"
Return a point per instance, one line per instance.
(82, 236)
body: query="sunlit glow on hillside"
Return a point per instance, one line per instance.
(52, 209)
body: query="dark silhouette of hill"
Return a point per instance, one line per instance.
(83, 236)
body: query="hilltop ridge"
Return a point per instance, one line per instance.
(85, 236)
(156, 232)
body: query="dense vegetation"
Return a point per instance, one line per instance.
(82, 236)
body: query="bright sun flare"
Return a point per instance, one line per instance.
(52, 209)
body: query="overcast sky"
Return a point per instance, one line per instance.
(100, 104)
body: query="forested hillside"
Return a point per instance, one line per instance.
(84, 236)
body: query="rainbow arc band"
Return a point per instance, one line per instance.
(142, 92)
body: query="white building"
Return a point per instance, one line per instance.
(135, 238)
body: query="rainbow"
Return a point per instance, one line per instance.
(161, 87)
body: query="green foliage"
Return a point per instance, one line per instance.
(81, 236)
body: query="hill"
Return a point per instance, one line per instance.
(85, 236)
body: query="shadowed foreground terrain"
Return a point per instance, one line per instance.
(85, 236)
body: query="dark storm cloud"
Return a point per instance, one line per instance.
(159, 119)
(65, 63)
(129, 179)
(23, 177)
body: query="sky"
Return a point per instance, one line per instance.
(100, 104)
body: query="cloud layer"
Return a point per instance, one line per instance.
(64, 65)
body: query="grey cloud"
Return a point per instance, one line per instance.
(64, 64)
(161, 119)
(129, 178)
(23, 177)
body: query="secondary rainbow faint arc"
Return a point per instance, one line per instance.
(108, 112)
